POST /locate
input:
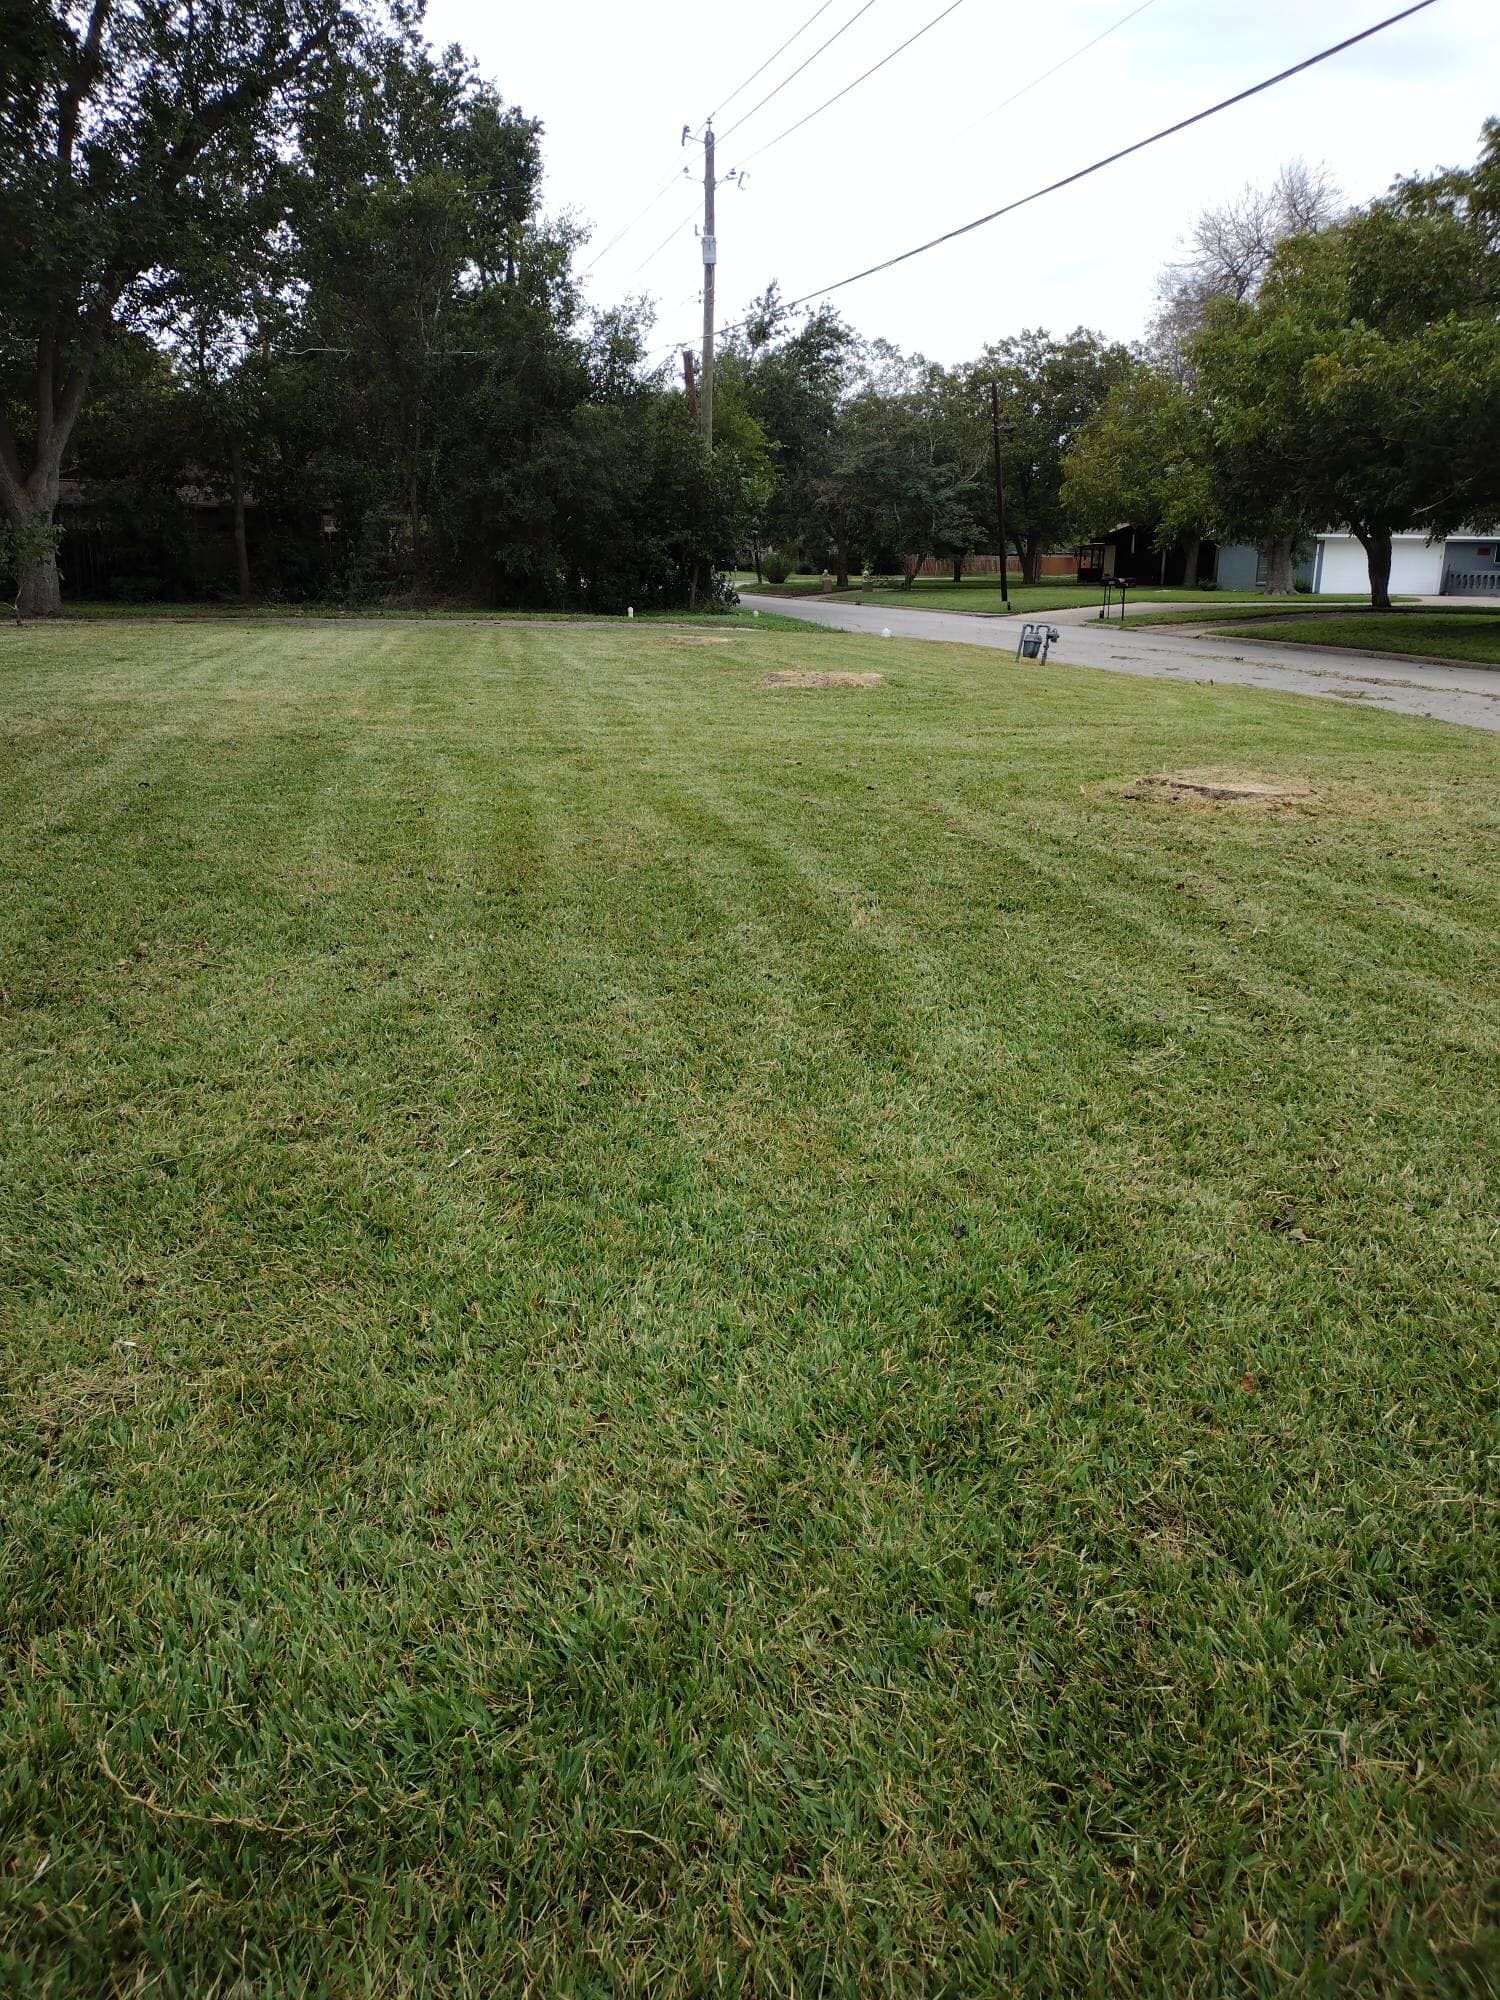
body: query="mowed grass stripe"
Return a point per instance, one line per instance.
(666, 1337)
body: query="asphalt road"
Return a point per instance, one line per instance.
(1465, 695)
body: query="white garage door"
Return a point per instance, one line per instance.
(1416, 566)
(1343, 567)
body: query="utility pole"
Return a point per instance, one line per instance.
(1000, 495)
(710, 258)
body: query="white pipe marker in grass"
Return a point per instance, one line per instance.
(885, 631)
(630, 611)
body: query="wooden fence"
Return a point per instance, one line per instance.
(1052, 566)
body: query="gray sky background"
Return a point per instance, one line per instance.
(896, 161)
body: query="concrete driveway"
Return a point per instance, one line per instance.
(1467, 695)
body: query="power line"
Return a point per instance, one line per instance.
(640, 216)
(1005, 102)
(994, 110)
(1111, 159)
(672, 234)
(769, 60)
(666, 188)
(983, 118)
(807, 120)
(778, 88)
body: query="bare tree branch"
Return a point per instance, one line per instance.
(85, 76)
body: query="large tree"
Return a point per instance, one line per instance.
(424, 269)
(1362, 385)
(1145, 456)
(1049, 389)
(792, 376)
(132, 133)
(1228, 252)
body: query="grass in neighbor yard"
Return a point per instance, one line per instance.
(663, 1336)
(982, 594)
(1233, 611)
(1459, 634)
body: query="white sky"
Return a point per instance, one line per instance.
(891, 165)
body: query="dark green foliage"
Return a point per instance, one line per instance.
(375, 358)
(1049, 389)
(1362, 387)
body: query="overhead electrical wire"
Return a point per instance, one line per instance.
(1005, 102)
(724, 106)
(678, 228)
(830, 101)
(745, 116)
(640, 216)
(666, 188)
(1109, 160)
(671, 235)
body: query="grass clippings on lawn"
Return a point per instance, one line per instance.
(658, 1344)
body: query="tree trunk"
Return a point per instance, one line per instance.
(1279, 566)
(958, 569)
(241, 546)
(755, 552)
(39, 592)
(1191, 549)
(909, 577)
(841, 553)
(1033, 558)
(1377, 547)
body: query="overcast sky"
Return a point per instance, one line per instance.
(911, 152)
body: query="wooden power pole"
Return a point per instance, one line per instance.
(710, 258)
(1000, 496)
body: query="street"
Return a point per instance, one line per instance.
(1465, 695)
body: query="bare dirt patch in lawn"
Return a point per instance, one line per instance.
(797, 677)
(1223, 788)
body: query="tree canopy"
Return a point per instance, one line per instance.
(277, 279)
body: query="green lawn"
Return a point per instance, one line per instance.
(982, 594)
(1460, 634)
(664, 1337)
(204, 611)
(1212, 610)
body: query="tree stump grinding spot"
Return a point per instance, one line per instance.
(796, 677)
(1199, 788)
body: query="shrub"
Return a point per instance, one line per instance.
(776, 565)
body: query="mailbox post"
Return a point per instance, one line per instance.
(1115, 586)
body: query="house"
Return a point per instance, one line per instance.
(1130, 551)
(1465, 565)
(1331, 565)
